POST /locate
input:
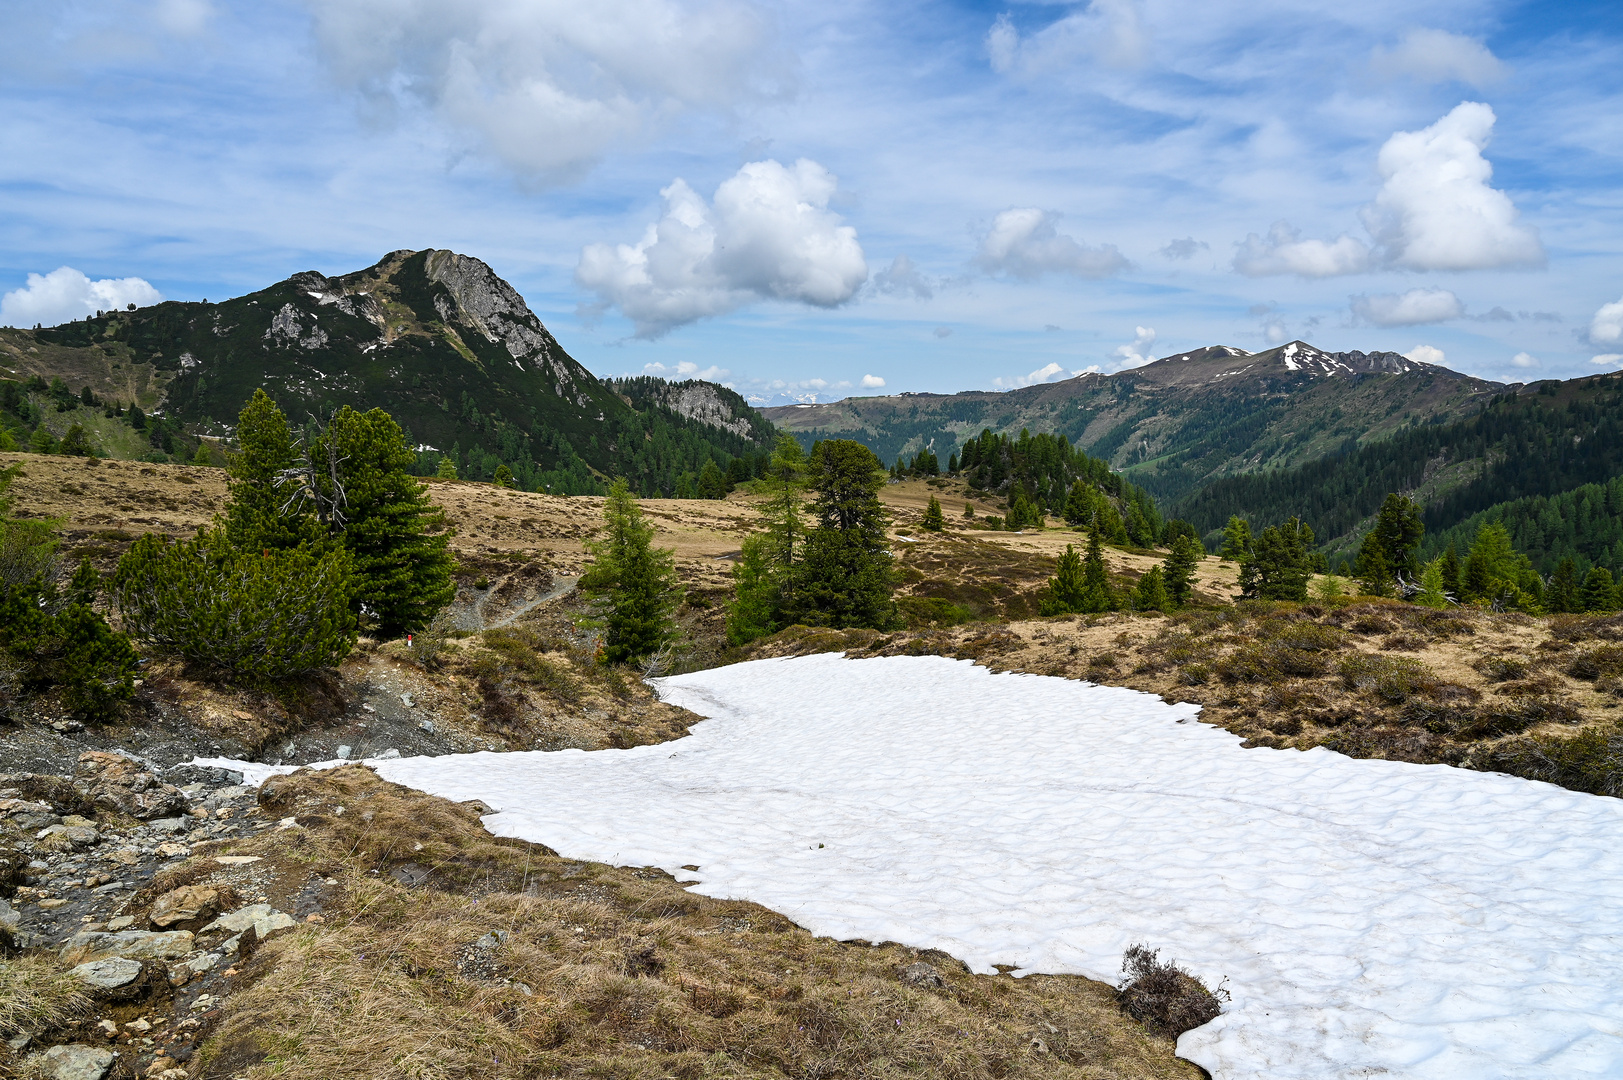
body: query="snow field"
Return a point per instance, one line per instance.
(1368, 917)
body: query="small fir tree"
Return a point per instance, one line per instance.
(1564, 592)
(75, 443)
(1097, 595)
(1450, 568)
(1599, 593)
(632, 583)
(933, 521)
(1151, 592)
(1067, 589)
(1080, 504)
(1179, 569)
(969, 512)
(1400, 529)
(503, 477)
(712, 481)
(446, 469)
(1374, 567)
(765, 576)
(1236, 540)
(1431, 592)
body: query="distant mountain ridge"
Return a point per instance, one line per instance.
(1180, 422)
(436, 338)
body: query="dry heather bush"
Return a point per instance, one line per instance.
(606, 972)
(1269, 662)
(1600, 662)
(1591, 760)
(1392, 679)
(1580, 627)
(1304, 635)
(1163, 996)
(1501, 668)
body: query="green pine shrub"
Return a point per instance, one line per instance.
(1393, 679)
(255, 616)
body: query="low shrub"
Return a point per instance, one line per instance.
(1501, 668)
(1393, 679)
(1194, 675)
(1597, 663)
(1590, 761)
(255, 616)
(1309, 636)
(1164, 997)
(922, 612)
(1270, 662)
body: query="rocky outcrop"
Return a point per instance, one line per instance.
(119, 783)
(493, 307)
(704, 402)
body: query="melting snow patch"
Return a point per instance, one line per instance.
(1371, 917)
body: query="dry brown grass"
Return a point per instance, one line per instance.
(37, 993)
(610, 972)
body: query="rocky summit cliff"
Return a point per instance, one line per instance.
(437, 339)
(1177, 423)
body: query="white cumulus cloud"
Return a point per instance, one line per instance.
(872, 382)
(1606, 328)
(1025, 244)
(1139, 351)
(1435, 210)
(1425, 354)
(1523, 359)
(65, 294)
(548, 87)
(1283, 251)
(767, 235)
(1413, 308)
(1606, 358)
(1434, 56)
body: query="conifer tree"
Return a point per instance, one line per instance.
(1599, 594)
(262, 515)
(1080, 504)
(1067, 589)
(847, 578)
(765, 576)
(1097, 595)
(404, 569)
(1563, 595)
(446, 469)
(933, 521)
(1236, 540)
(632, 582)
(1400, 529)
(1450, 568)
(1179, 569)
(1374, 566)
(969, 511)
(1281, 563)
(503, 477)
(1151, 592)
(1431, 586)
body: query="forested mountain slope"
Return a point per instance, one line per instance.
(1178, 423)
(1541, 440)
(435, 338)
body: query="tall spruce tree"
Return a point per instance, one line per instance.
(1236, 540)
(404, 568)
(632, 583)
(1599, 594)
(1450, 567)
(847, 576)
(1400, 530)
(1563, 594)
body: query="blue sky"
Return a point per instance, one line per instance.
(811, 198)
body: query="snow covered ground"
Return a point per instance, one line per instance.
(1369, 918)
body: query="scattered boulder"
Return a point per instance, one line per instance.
(122, 784)
(56, 792)
(131, 944)
(921, 974)
(112, 974)
(186, 904)
(262, 919)
(67, 837)
(75, 1061)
